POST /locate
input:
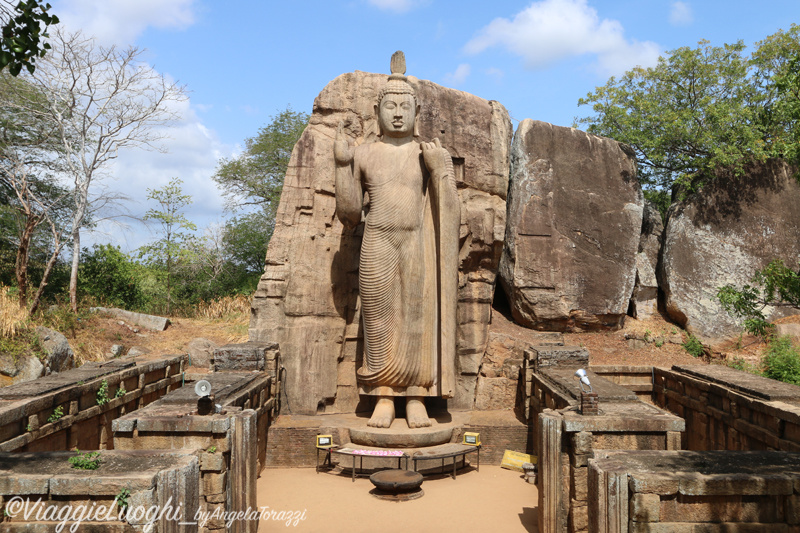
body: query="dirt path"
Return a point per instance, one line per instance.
(493, 499)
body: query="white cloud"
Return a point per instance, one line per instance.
(680, 14)
(398, 6)
(122, 21)
(496, 73)
(550, 30)
(460, 74)
(193, 152)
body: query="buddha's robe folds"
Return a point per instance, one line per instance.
(408, 274)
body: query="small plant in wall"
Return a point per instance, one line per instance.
(85, 461)
(122, 498)
(212, 449)
(120, 392)
(57, 413)
(102, 393)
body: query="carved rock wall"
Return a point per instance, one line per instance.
(307, 299)
(724, 234)
(574, 224)
(644, 302)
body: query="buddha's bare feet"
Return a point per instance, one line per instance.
(416, 414)
(383, 415)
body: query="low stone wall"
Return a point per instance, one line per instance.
(727, 409)
(159, 488)
(87, 398)
(567, 440)
(292, 441)
(230, 444)
(688, 492)
(499, 431)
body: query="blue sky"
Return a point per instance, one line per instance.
(245, 60)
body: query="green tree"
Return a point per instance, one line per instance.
(776, 285)
(173, 246)
(22, 35)
(701, 109)
(255, 177)
(245, 242)
(112, 277)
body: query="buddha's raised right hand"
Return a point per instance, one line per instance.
(342, 151)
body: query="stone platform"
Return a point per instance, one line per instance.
(291, 441)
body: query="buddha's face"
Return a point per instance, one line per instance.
(396, 115)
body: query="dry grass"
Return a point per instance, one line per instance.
(12, 318)
(228, 307)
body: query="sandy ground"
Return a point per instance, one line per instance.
(493, 499)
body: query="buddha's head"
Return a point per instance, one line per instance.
(397, 107)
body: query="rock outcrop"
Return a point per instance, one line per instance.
(58, 353)
(644, 302)
(574, 224)
(735, 226)
(307, 299)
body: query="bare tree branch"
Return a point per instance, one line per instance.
(100, 100)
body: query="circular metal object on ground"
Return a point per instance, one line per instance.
(396, 481)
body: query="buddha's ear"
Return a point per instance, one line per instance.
(377, 119)
(416, 122)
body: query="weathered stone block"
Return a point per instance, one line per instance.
(201, 352)
(645, 508)
(214, 483)
(213, 462)
(579, 483)
(244, 356)
(561, 356)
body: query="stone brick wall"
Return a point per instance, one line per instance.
(500, 431)
(687, 492)
(225, 443)
(163, 480)
(726, 409)
(29, 420)
(638, 379)
(292, 447)
(567, 439)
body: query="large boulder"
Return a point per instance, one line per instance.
(574, 223)
(307, 299)
(722, 235)
(58, 353)
(201, 352)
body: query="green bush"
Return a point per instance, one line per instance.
(693, 346)
(111, 277)
(781, 361)
(85, 461)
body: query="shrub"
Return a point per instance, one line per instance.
(85, 461)
(102, 394)
(781, 361)
(111, 277)
(693, 346)
(56, 415)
